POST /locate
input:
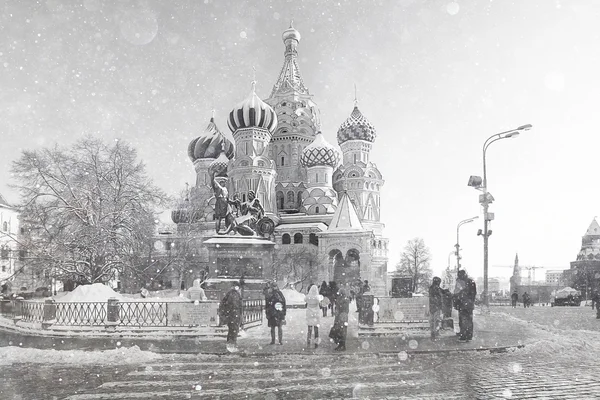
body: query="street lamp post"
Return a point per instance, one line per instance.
(457, 245)
(486, 199)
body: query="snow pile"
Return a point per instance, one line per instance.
(96, 292)
(293, 297)
(551, 340)
(131, 355)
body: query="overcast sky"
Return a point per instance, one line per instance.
(436, 78)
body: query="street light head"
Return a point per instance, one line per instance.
(512, 134)
(525, 127)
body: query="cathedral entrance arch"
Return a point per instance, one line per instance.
(336, 262)
(346, 268)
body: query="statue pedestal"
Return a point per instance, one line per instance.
(233, 257)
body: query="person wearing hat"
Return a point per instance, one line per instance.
(465, 294)
(230, 314)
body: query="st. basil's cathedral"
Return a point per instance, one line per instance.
(320, 199)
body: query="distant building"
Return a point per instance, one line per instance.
(555, 277)
(9, 251)
(493, 285)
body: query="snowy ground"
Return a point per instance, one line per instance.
(559, 361)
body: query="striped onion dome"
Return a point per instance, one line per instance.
(252, 113)
(320, 153)
(210, 144)
(356, 127)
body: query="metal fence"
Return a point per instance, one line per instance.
(143, 313)
(139, 314)
(78, 314)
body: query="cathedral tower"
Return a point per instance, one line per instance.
(253, 122)
(357, 175)
(298, 121)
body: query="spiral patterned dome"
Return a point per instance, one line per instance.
(356, 127)
(320, 153)
(210, 144)
(219, 166)
(252, 113)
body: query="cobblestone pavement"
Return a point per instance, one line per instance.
(514, 375)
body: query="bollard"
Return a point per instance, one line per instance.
(49, 317)
(17, 310)
(112, 314)
(366, 314)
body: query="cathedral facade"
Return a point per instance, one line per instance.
(323, 200)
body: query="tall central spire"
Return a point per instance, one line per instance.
(290, 79)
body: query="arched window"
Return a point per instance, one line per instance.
(298, 238)
(5, 226)
(355, 159)
(285, 239)
(282, 161)
(280, 200)
(261, 163)
(316, 209)
(290, 197)
(313, 239)
(299, 199)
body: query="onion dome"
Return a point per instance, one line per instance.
(219, 166)
(356, 127)
(210, 143)
(185, 213)
(252, 113)
(320, 153)
(291, 33)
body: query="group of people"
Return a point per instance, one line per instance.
(318, 300)
(463, 300)
(514, 298)
(328, 296)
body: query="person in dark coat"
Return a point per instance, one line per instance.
(340, 325)
(230, 314)
(435, 307)
(275, 310)
(465, 294)
(526, 300)
(514, 299)
(324, 291)
(596, 299)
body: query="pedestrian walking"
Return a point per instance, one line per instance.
(313, 314)
(514, 299)
(275, 310)
(465, 293)
(435, 307)
(526, 300)
(596, 299)
(230, 314)
(324, 291)
(340, 324)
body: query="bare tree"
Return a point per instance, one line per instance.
(178, 255)
(88, 209)
(296, 265)
(415, 263)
